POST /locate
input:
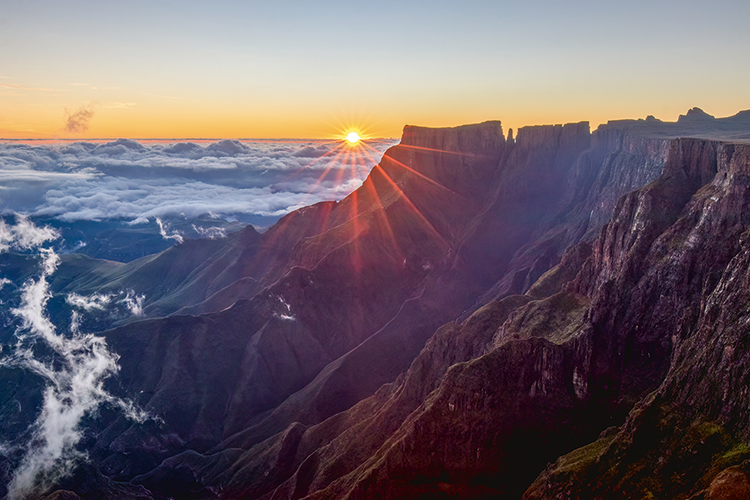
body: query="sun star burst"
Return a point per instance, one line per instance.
(352, 137)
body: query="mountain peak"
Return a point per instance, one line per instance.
(695, 114)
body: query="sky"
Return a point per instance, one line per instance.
(316, 69)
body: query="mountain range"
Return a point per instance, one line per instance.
(559, 314)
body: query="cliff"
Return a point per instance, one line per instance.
(487, 403)
(688, 438)
(477, 310)
(478, 139)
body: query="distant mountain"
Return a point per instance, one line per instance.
(559, 315)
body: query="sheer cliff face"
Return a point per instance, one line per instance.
(511, 214)
(691, 433)
(540, 376)
(475, 310)
(435, 224)
(340, 272)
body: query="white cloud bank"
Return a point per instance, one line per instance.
(24, 235)
(125, 179)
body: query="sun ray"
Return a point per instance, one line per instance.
(353, 166)
(382, 215)
(362, 124)
(411, 205)
(420, 175)
(337, 153)
(337, 149)
(342, 157)
(346, 158)
(442, 151)
(342, 170)
(356, 256)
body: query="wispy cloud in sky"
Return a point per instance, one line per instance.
(25, 87)
(120, 105)
(173, 97)
(125, 179)
(78, 120)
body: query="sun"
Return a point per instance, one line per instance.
(352, 137)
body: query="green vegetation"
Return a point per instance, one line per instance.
(555, 318)
(657, 455)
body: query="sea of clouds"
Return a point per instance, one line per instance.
(139, 181)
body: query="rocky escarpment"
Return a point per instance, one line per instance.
(615, 162)
(687, 439)
(527, 378)
(585, 374)
(339, 281)
(402, 225)
(518, 210)
(467, 316)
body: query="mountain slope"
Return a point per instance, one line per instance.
(478, 308)
(547, 152)
(688, 437)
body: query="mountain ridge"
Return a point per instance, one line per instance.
(437, 334)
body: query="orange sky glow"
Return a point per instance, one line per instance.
(305, 70)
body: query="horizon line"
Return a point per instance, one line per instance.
(83, 139)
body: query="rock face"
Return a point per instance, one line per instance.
(529, 378)
(477, 310)
(490, 207)
(688, 437)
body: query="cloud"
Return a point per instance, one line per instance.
(94, 302)
(24, 87)
(173, 97)
(36, 176)
(167, 233)
(120, 105)
(212, 233)
(312, 152)
(228, 147)
(134, 303)
(286, 310)
(74, 373)
(126, 179)
(78, 120)
(101, 302)
(24, 235)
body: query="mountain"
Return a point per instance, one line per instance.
(559, 315)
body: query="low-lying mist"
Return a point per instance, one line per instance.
(73, 365)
